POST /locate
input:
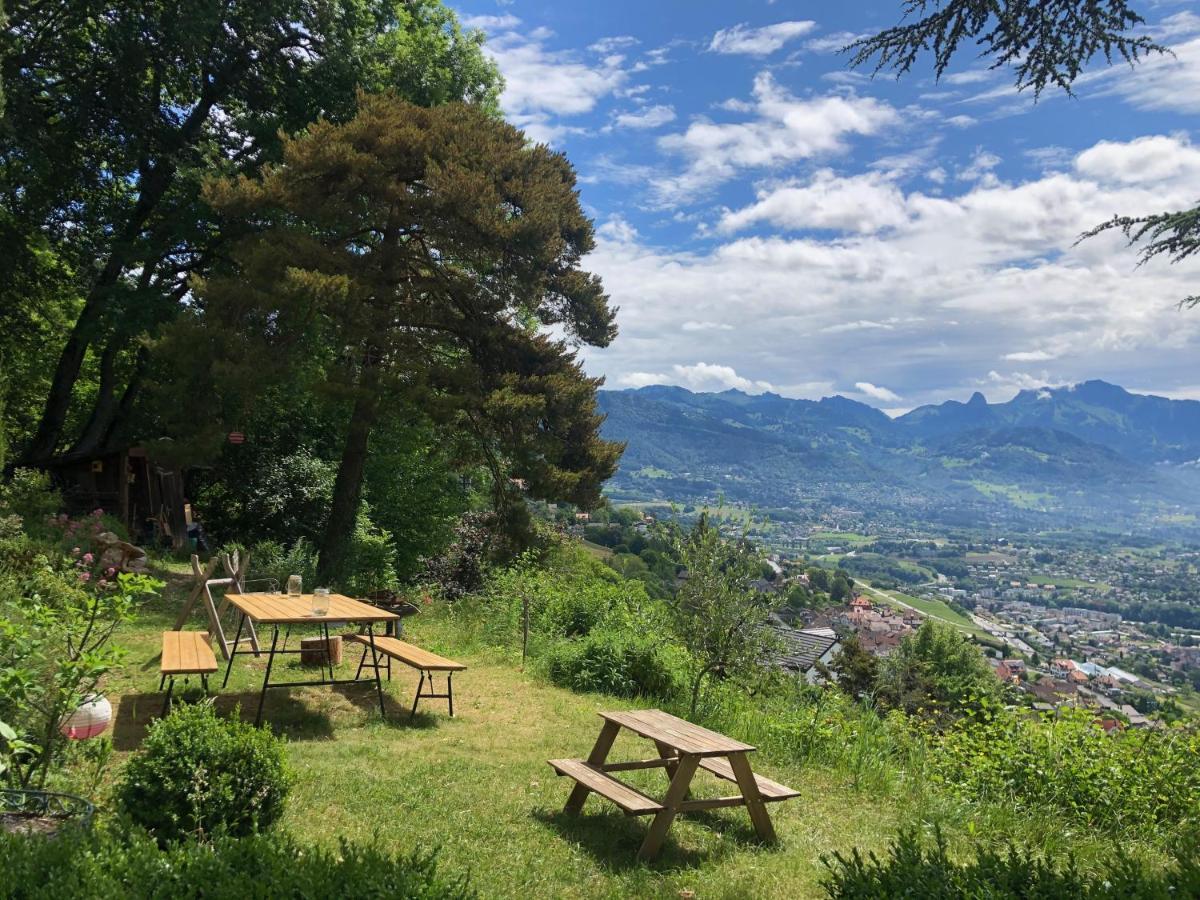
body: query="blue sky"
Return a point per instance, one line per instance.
(769, 220)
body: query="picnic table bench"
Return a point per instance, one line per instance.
(185, 653)
(411, 655)
(683, 749)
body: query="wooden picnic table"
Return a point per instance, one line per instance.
(683, 749)
(282, 609)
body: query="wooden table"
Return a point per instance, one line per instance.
(683, 748)
(281, 609)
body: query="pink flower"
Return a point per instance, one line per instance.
(89, 558)
(110, 571)
(97, 512)
(85, 576)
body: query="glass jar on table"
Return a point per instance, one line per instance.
(320, 601)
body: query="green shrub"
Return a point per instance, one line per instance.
(30, 495)
(120, 863)
(1137, 781)
(269, 559)
(913, 870)
(621, 663)
(198, 774)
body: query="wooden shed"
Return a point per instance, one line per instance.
(146, 496)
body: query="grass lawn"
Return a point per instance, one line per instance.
(935, 609)
(478, 786)
(845, 537)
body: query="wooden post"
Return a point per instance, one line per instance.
(524, 627)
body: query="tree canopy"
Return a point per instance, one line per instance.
(421, 254)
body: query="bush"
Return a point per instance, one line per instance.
(129, 863)
(198, 774)
(912, 870)
(613, 662)
(269, 559)
(30, 495)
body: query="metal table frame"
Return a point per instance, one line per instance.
(323, 621)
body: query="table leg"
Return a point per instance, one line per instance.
(681, 781)
(233, 652)
(375, 662)
(328, 649)
(754, 802)
(267, 677)
(668, 752)
(599, 754)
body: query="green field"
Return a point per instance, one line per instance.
(845, 537)
(934, 609)
(597, 550)
(1013, 494)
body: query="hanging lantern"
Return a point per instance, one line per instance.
(237, 437)
(89, 720)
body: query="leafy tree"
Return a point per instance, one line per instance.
(936, 670)
(116, 113)
(1046, 43)
(718, 616)
(856, 669)
(422, 252)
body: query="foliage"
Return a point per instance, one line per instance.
(1175, 235)
(123, 862)
(201, 775)
(370, 564)
(116, 113)
(936, 672)
(267, 497)
(856, 670)
(30, 494)
(1045, 43)
(460, 568)
(1136, 782)
(57, 620)
(269, 559)
(617, 662)
(382, 269)
(717, 614)
(913, 869)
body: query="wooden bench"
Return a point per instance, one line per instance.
(631, 800)
(411, 655)
(185, 653)
(771, 791)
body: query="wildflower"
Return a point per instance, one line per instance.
(89, 558)
(85, 576)
(110, 571)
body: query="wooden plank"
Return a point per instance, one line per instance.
(187, 653)
(278, 609)
(754, 801)
(680, 783)
(631, 800)
(410, 654)
(714, 803)
(772, 791)
(604, 742)
(676, 733)
(640, 764)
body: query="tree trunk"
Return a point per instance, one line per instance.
(696, 685)
(347, 487)
(106, 403)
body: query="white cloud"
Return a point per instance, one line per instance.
(1141, 161)
(982, 163)
(758, 41)
(650, 117)
(490, 23)
(1160, 82)
(831, 43)
(543, 86)
(931, 305)
(608, 45)
(876, 392)
(700, 376)
(861, 203)
(784, 129)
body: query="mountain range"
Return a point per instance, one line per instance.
(1092, 451)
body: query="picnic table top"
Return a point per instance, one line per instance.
(676, 733)
(281, 609)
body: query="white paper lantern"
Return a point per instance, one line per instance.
(89, 720)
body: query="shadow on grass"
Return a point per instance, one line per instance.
(613, 840)
(396, 713)
(282, 712)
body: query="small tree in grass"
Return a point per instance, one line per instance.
(719, 616)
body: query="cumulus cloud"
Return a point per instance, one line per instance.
(758, 41)
(959, 290)
(544, 86)
(490, 23)
(783, 129)
(876, 392)
(860, 203)
(700, 376)
(650, 117)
